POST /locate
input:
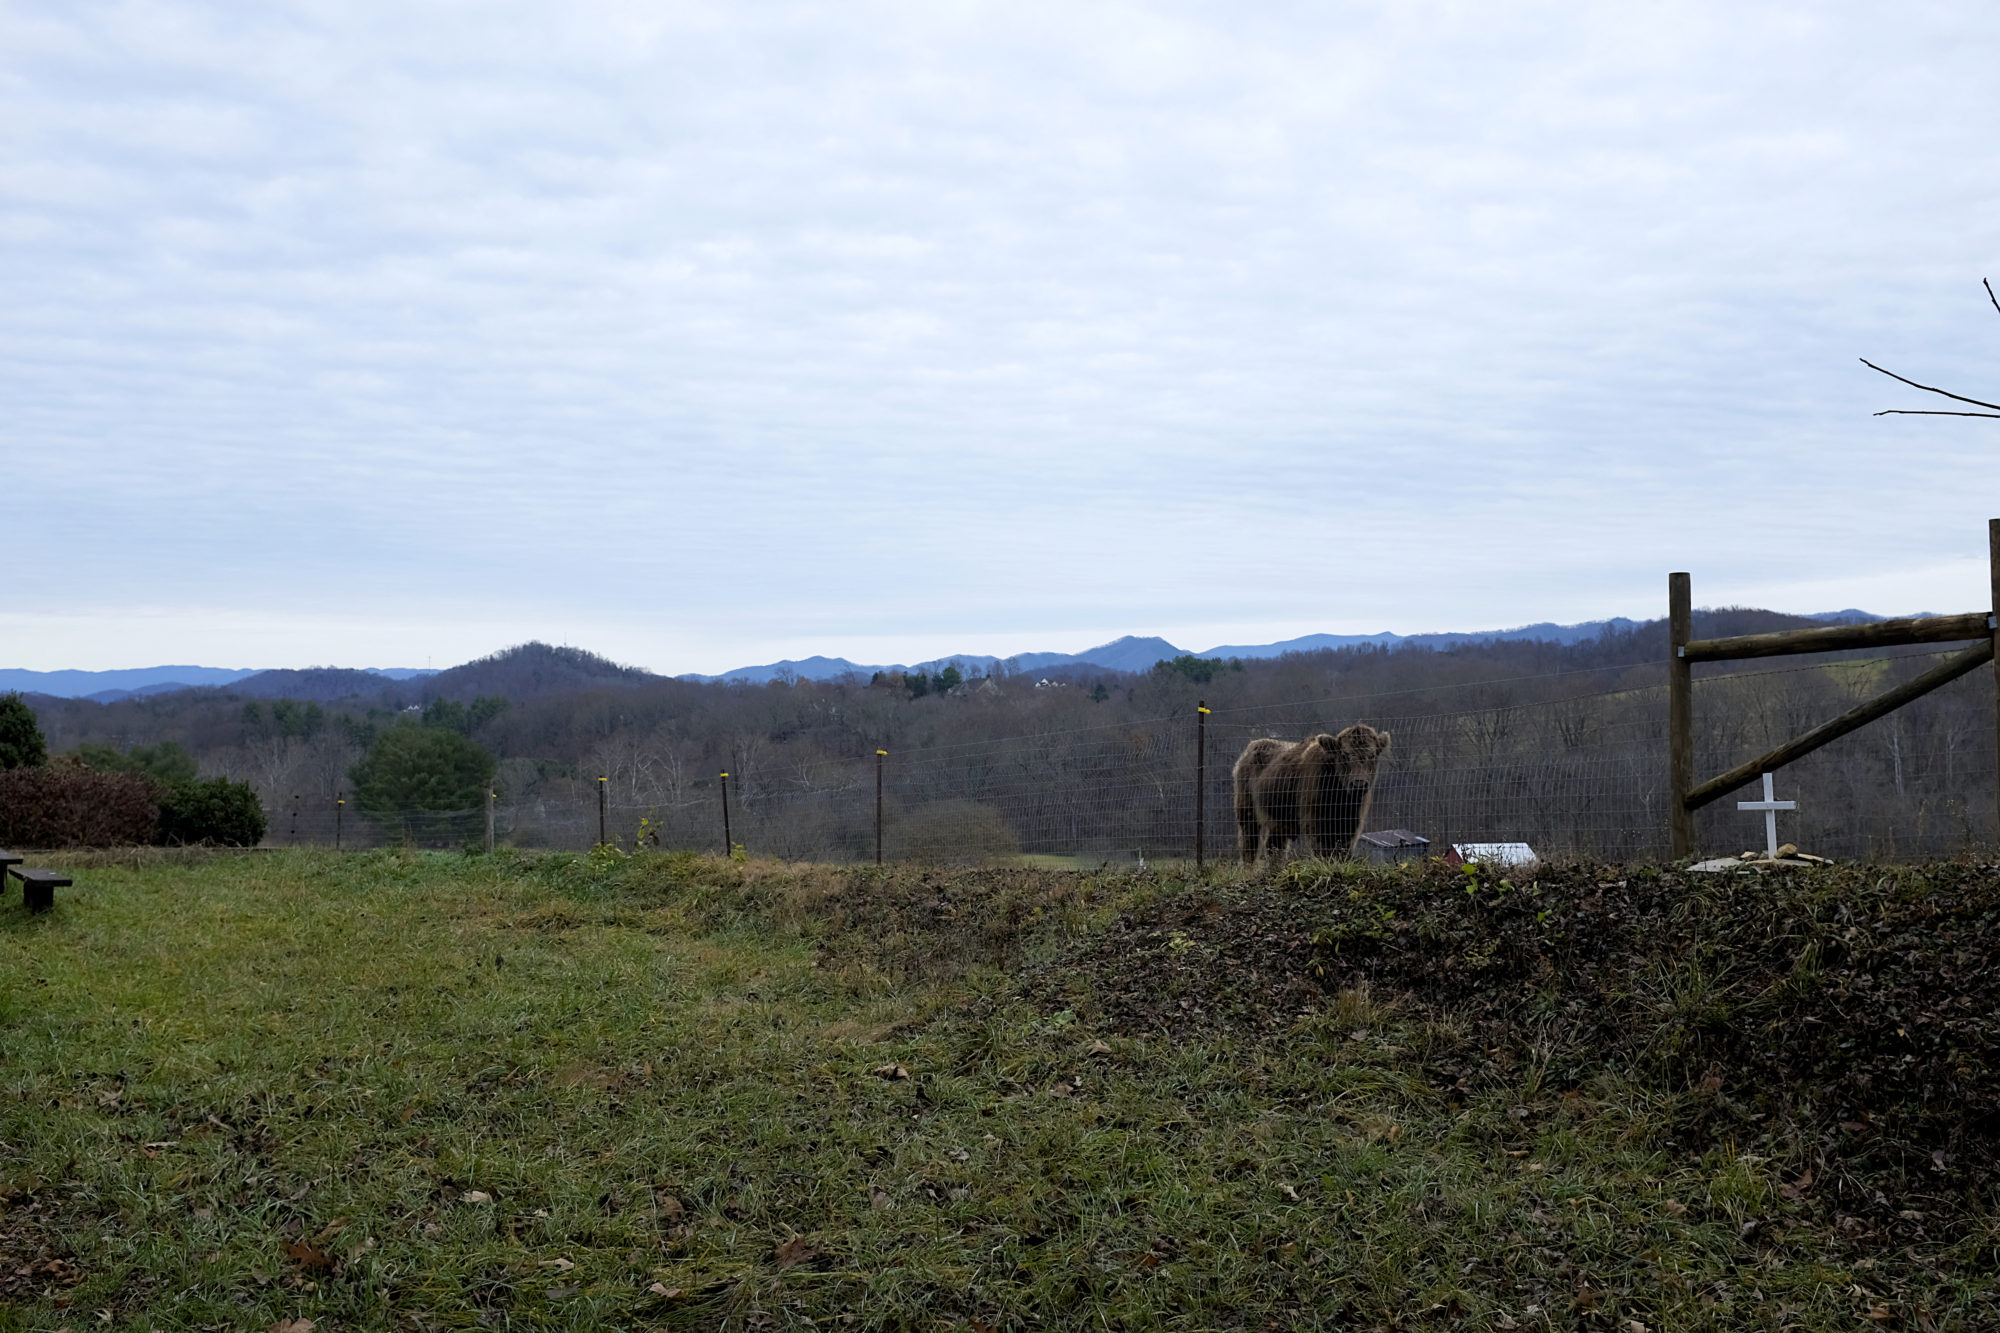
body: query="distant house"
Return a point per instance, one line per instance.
(1492, 854)
(1392, 844)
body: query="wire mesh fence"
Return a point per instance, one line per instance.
(1567, 770)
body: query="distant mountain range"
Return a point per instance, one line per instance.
(535, 669)
(1141, 654)
(111, 686)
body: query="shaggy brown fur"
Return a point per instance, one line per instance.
(1316, 791)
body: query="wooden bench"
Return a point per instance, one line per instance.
(8, 860)
(39, 887)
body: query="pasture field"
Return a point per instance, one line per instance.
(406, 1090)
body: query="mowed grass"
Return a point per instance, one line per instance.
(412, 1090)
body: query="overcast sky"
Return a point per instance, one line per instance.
(701, 335)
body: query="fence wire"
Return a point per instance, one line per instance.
(1567, 773)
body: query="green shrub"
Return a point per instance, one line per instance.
(65, 804)
(216, 810)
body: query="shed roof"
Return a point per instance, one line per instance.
(1388, 838)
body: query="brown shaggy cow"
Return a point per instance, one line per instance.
(1316, 791)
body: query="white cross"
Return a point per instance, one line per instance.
(1770, 805)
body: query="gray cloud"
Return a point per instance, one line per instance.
(713, 333)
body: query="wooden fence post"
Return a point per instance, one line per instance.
(1993, 559)
(1680, 716)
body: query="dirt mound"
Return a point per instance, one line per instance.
(1864, 997)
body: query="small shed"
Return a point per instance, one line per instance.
(1516, 854)
(1392, 844)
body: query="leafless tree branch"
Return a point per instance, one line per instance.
(1919, 412)
(1943, 393)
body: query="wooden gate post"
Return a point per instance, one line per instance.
(1680, 713)
(1993, 558)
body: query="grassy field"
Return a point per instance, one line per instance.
(427, 1091)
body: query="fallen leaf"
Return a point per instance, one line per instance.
(292, 1326)
(475, 1196)
(878, 1198)
(1633, 1326)
(1288, 1191)
(560, 1265)
(111, 1098)
(1674, 1207)
(1097, 1048)
(1798, 1187)
(663, 1291)
(1711, 1083)
(891, 1072)
(1504, 1320)
(1878, 1312)
(1061, 1090)
(796, 1251)
(308, 1256)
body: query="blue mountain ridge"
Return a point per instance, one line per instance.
(1135, 654)
(125, 682)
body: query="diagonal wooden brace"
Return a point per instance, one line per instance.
(1942, 674)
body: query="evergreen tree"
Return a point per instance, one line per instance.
(421, 768)
(21, 743)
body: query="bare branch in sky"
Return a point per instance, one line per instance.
(1943, 393)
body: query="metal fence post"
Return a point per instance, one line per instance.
(879, 756)
(339, 809)
(492, 799)
(728, 843)
(602, 783)
(1993, 559)
(1200, 782)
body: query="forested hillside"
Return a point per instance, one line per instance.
(1556, 743)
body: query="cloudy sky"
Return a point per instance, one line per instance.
(706, 334)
